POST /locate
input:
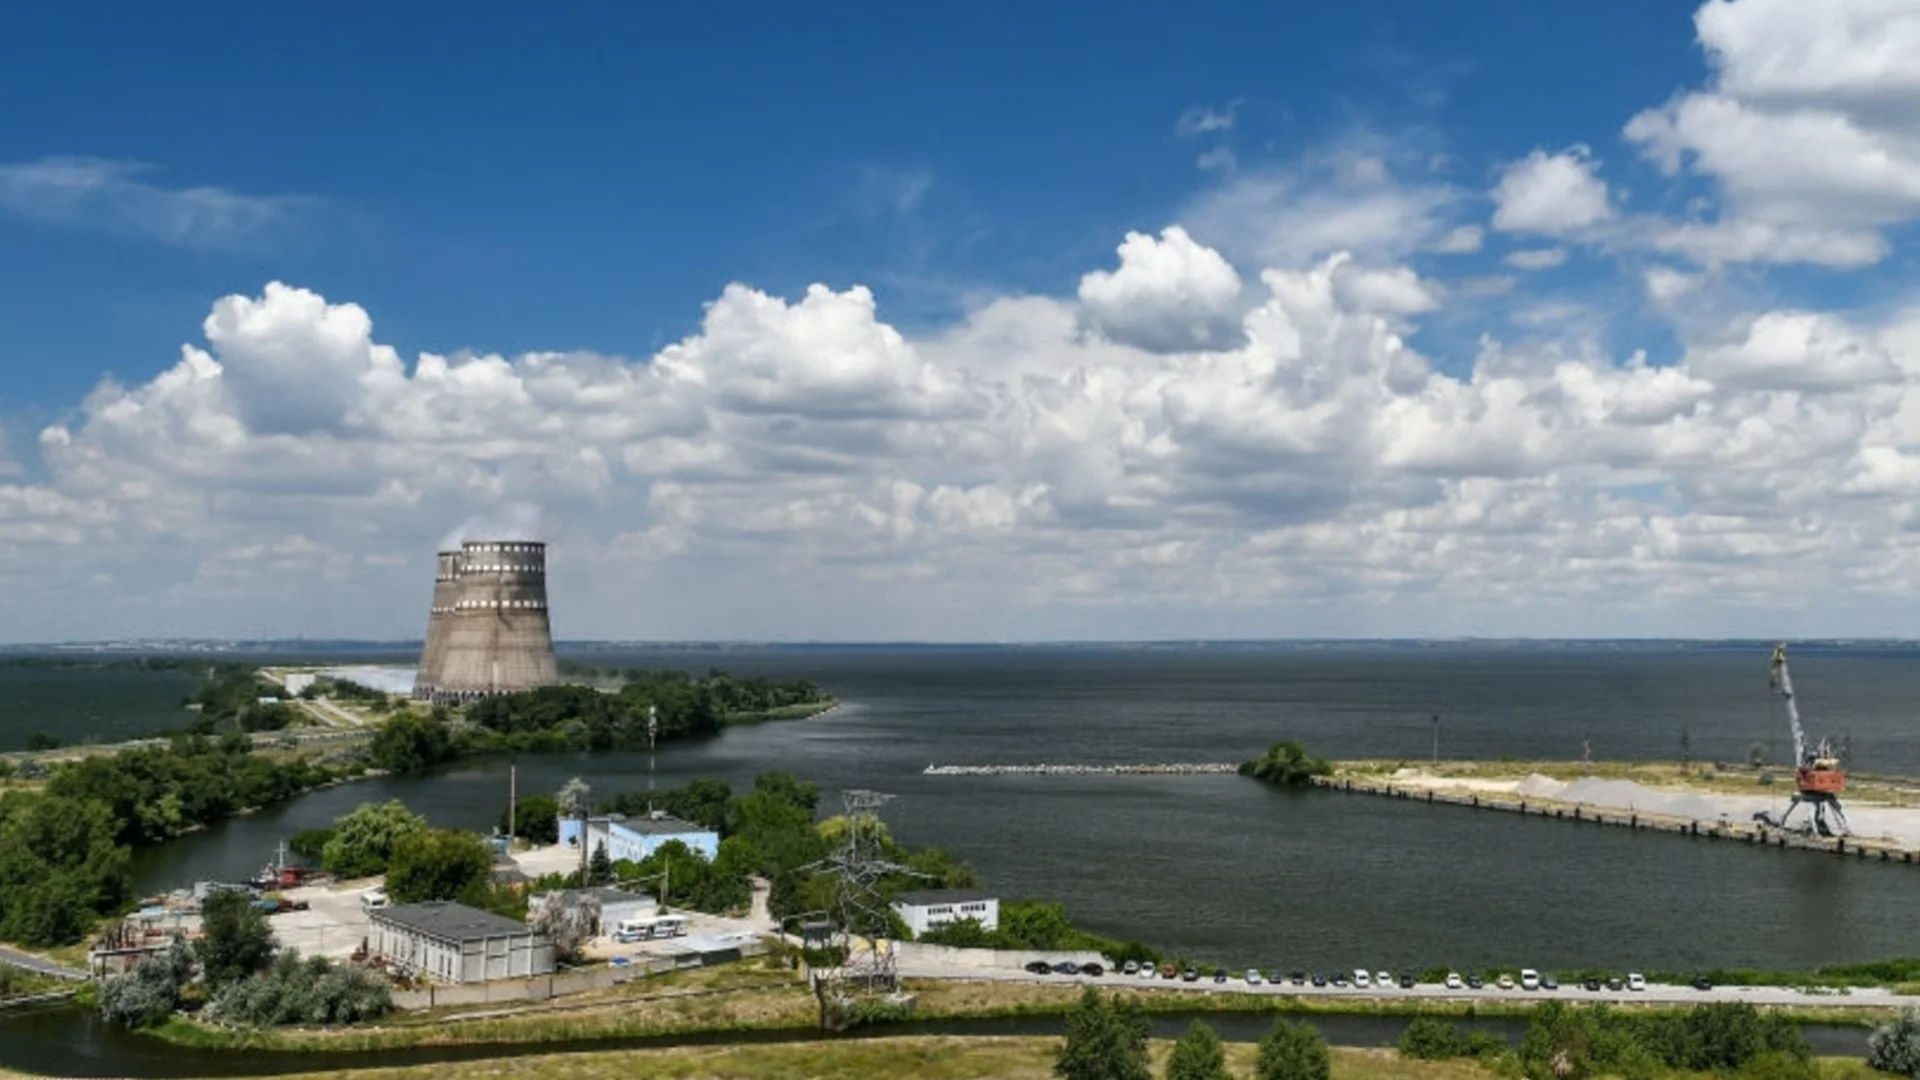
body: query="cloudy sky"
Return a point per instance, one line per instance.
(1536, 319)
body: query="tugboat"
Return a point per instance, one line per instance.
(280, 874)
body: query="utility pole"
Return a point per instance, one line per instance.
(513, 792)
(653, 732)
(1436, 740)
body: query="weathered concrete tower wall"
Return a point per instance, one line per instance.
(498, 638)
(446, 592)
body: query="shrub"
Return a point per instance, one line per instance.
(151, 991)
(1293, 1052)
(1106, 1040)
(1895, 1047)
(1198, 1056)
(311, 991)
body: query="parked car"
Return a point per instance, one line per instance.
(1148, 971)
(1406, 981)
(1475, 982)
(1591, 983)
(1453, 981)
(1254, 978)
(1340, 980)
(1219, 975)
(1298, 977)
(1273, 976)
(1614, 983)
(1168, 971)
(1548, 982)
(1190, 975)
(1506, 982)
(1383, 979)
(1362, 980)
(1319, 979)
(1093, 969)
(1701, 982)
(1636, 981)
(1131, 967)
(1529, 979)
(1066, 967)
(1039, 967)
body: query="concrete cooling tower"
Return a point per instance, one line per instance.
(488, 632)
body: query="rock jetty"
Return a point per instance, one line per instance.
(1191, 769)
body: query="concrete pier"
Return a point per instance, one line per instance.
(1724, 829)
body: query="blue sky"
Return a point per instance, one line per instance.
(983, 321)
(489, 177)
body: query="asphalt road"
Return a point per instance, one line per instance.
(39, 964)
(1236, 984)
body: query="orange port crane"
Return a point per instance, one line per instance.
(1818, 777)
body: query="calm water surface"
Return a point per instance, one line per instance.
(1224, 869)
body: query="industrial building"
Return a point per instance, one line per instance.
(488, 630)
(454, 943)
(637, 838)
(924, 909)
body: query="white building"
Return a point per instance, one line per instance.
(925, 909)
(616, 906)
(297, 682)
(636, 838)
(454, 943)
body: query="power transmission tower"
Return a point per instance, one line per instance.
(866, 975)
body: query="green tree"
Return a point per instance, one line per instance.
(235, 939)
(1559, 1043)
(1106, 1040)
(1293, 1052)
(1287, 764)
(411, 743)
(1198, 1056)
(364, 840)
(600, 867)
(437, 864)
(151, 991)
(536, 819)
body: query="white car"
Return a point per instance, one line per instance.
(1636, 981)
(1361, 980)
(1253, 977)
(1383, 978)
(1506, 982)
(1453, 981)
(1529, 979)
(1149, 971)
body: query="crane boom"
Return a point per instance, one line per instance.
(1782, 683)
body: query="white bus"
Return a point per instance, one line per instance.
(658, 926)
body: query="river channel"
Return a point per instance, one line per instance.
(67, 1041)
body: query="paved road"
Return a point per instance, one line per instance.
(40, 965)
(1682, 995)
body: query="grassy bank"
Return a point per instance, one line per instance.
(749, 999)
(915, 1058)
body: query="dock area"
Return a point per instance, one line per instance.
(1725, 828)
(1188, 769)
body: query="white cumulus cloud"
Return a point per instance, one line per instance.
(1553, 194)
(1169, 293)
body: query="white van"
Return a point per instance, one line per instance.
(373, 898)
(1529, 979)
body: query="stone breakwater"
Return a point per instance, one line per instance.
(1192, 769)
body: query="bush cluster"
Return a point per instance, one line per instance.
(296, 991)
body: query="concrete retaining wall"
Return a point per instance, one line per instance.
(537, 988)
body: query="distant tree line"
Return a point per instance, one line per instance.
(558, 719)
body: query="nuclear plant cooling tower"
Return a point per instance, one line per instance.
(488, 631)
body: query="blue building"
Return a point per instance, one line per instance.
(636, 838)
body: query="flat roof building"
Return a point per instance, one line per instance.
(636, 838)
(458, 944)
(616, 906)
(924, 909)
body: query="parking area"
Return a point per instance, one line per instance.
(333, 924)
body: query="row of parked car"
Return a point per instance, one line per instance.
(1360, 979)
